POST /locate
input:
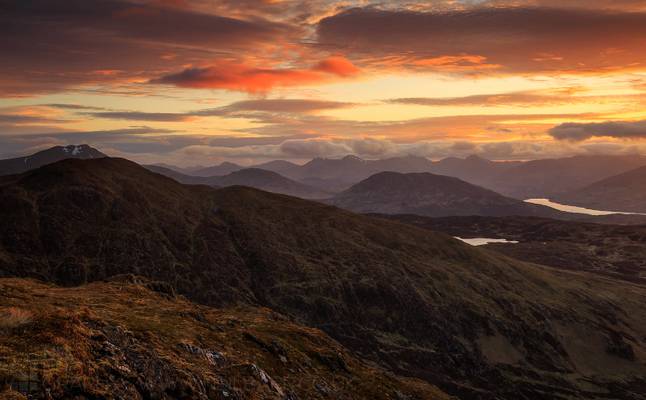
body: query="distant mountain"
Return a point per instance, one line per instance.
(270, 182)
(252, 177)
(52, 155)
(279, 166)
(473, 169)
(335, 175)
(430, 195)
(475, 323)
(623, 192)
(217, 170)
(550, 177)
(179, 176)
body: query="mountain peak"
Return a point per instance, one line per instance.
(48, 156)
(352, 157)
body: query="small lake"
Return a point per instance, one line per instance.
(575, 209)
(483, 241)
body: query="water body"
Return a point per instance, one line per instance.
(575, 209)
(483, 241)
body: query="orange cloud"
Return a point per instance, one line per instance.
(241, 77)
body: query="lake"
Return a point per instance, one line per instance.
(483, 241)
(575, 209)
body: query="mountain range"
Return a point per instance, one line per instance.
(529, 179)
(476, 323)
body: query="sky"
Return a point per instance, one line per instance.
(198, 82)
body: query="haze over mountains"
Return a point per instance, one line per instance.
(521, 180)
(475, 323)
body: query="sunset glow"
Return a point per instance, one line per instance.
(198, 82)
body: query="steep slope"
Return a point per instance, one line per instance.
(430, 195)
(623, 192)
(57, 153)
(252, 177)
(476, 323)
(551, 177)
(120, 340)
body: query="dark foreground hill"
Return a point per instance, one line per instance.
(431, 195)
(476, 323)
(120, 340)
(623, 192)
(54, 154)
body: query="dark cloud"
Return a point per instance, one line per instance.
(56, 44)
(73, 107)
(286, 105)
(20, 119)
(492, 38)
(141, 116)
(249, 78)
(617, 129)
(500, 99)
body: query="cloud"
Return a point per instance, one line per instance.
(59, 44)
(540, 97)
(519, 38)
(242, 77)
(313, 148)
(278, 106)
(616, 129)
(141, 116)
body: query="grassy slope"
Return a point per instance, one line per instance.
(122, 340)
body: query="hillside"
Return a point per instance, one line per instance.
(608, 250)
(475, 323)
(551, 177)
(430, 195)
(623, 192)
(122, 340)
(54, 154)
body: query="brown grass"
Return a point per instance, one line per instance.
(14, 317)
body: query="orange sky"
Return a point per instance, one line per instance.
(199, 82)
